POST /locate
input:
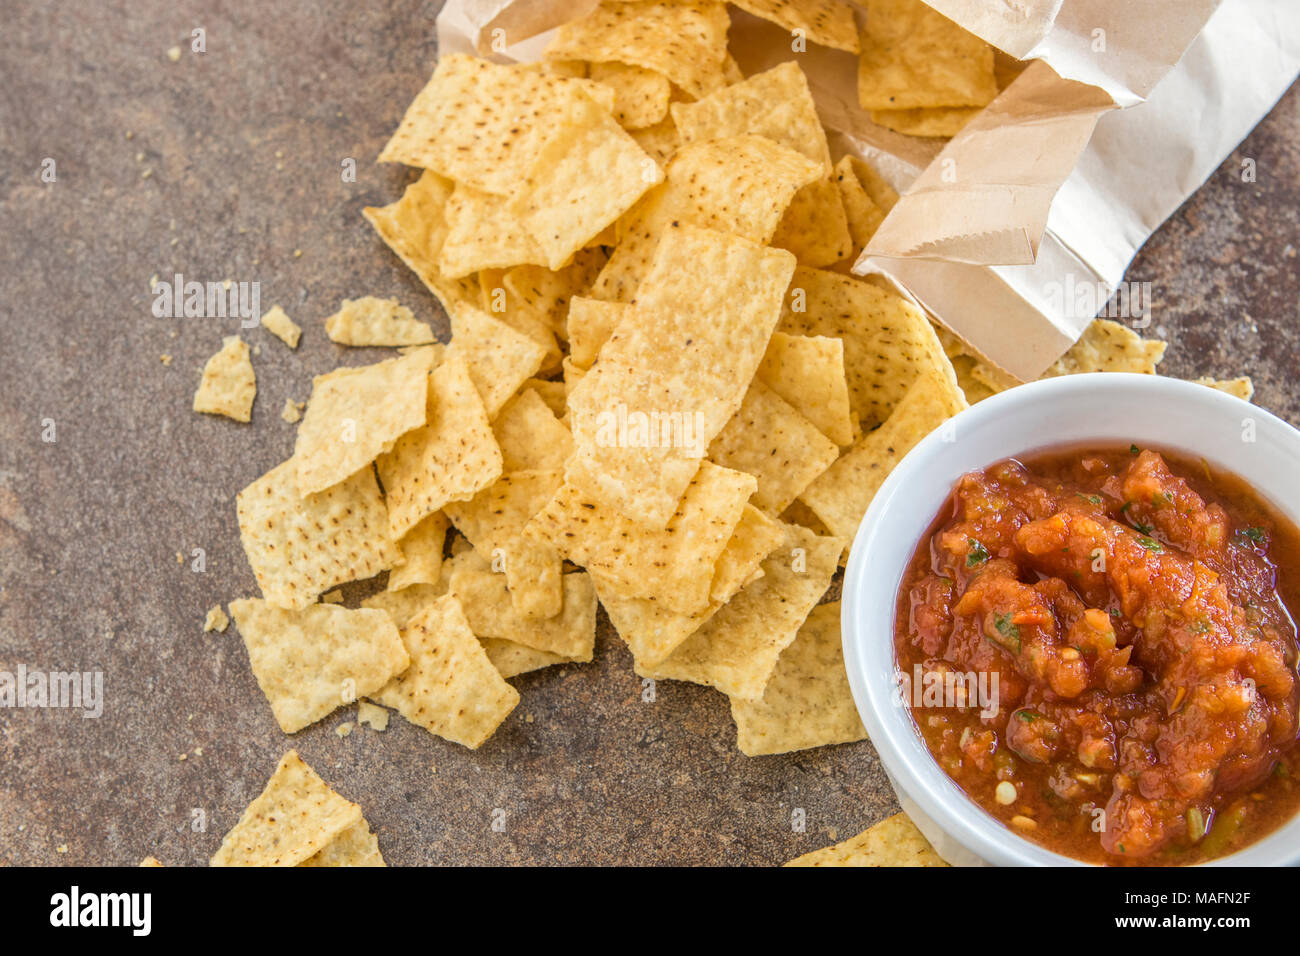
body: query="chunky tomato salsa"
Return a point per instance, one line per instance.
(1096, 647)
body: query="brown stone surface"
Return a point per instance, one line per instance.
(223, 165)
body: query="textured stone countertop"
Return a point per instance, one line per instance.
(227, 165)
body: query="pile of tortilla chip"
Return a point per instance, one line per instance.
(664, 393)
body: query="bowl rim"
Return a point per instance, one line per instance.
(923, 782)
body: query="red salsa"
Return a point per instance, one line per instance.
(1096, 647)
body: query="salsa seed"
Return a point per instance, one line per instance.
(1024, 823)
(1005, 793)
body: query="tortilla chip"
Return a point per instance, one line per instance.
(841, 495)
(768, 439)
(673, 564)
(311, 662)
(815, 227)
(372, 321)
(640, 95)
(861, 213)
(967, 369)
(776, 104)
(741, 562)
(494, 523)
(546, 294)
(740, 185)
(531, 437)
(659, 141)
(736, 650)
(887, 340)
(570, 634)
(355, 846)
(552, 393)
(228, 386)
(826, 22)
(1242, 387)
(415, 227)
(295, 817)
(356, 414)
(926, 121)
(914, 56)
(301, 547)
(480, 123)
(585, 177)
(282, 327)
(498, 357)
(451, 688)
(712, 297)
(685, 40)
(407, 604)
(1107, 346)
(421, 548)
(591, 323)
(150, 861)
(652, 631)
(895, 841)
(877, 187)
(808, 372)
(483, 233)
(511, 659)
(807, 702)
(450, 458)
(215, 620)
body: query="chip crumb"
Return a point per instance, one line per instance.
(183, 757)
(216, 619)
(297, 253)
(165, 358)
(174, 54)
(372, 715)
(282, 327)
(180, 558)
(61, 848)
(528, 718)
(344, 728)
(292, 411)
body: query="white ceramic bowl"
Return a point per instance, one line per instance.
(1103, 409)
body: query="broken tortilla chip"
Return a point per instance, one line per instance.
(736, 650)
(228, 386)
(842, 494)
(281, 326)
(356, 414)
(380, 322)
(451, 688)
(914, 56)
(300, 547)
(449, 458)
(807, 702)
(684, 40)
(829, 23)
(421, 549)
(311, 662)
(295, 817)
(808, 372)
(894, 841)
